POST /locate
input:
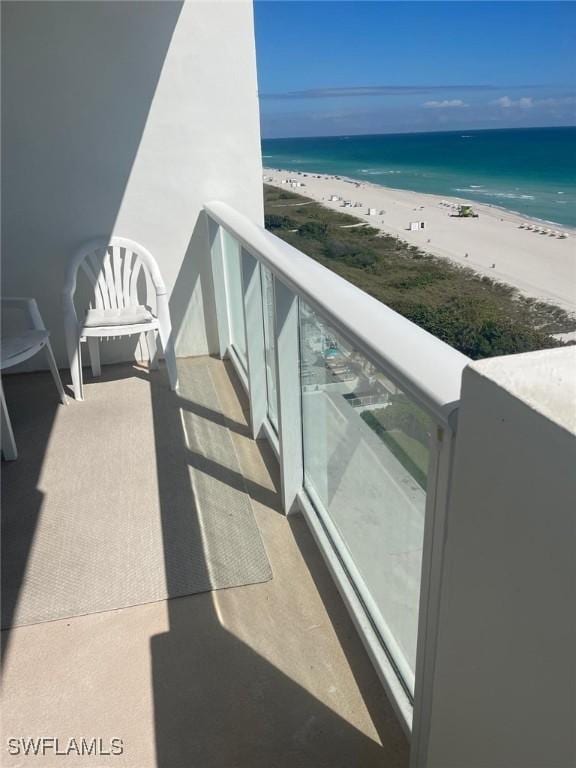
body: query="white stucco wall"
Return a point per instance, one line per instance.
(504, 693)
(125, 117)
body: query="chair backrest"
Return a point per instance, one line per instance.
(113, 268)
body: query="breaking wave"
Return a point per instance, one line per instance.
(378, 171)
(494, 193)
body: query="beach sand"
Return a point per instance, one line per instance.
(493, 244)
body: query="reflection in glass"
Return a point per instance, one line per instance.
(366, 464)
(233, 271)
(269, 343)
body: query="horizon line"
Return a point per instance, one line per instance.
(408, 133)
(387, 90)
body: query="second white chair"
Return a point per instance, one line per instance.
(126, 295)
(18, 347)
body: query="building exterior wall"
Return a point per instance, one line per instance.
(124, 118)
(505, 679)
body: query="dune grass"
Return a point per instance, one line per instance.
(476, 315)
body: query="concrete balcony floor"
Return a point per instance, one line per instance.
(269, 674)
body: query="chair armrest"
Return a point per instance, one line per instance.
(70, 316)
(68, 291)
(28, 305)
(19, 302)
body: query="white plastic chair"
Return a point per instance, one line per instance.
(15, 349)
(118, 270)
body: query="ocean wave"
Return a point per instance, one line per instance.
(512, 196)
(377, 171)
(494, 193)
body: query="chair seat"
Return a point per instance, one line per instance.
(126, 316)
(17, 348)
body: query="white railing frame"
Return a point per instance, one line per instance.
(288, 388)
(442, 447)
(254, 323)
(220, 292)
(425, 368)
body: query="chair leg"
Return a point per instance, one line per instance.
(75, 361)
(55, 373)
(73, 347)
(166, 338)
(8, 442)
(94, 352)
(169, 356)
(140, 356)
(152, 349)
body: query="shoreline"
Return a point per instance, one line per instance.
(570, 230)
(497, 244)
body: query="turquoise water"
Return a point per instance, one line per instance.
(532, 171)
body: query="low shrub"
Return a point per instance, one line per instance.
(466, 329)
(419, 278)
(350, 253)
(315, 230)
(276, 221)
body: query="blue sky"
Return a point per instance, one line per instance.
(336, 68)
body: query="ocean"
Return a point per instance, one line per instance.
(531, 170)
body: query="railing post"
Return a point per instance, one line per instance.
(442, 445)
(288, 387)
(502, 683)
(219, 280)
(254, 320)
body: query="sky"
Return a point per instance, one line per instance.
(334, 68)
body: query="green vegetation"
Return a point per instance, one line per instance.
(275, 221)
(316, 230)
(476, 315)
(405, 429)
(350, 253)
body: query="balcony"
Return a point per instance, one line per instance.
(259, 674)
(340, 542)
(271, 550)
(285, 547)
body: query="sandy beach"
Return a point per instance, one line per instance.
(494, 244)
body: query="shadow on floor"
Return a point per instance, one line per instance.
(33, 404)
(219, 703)
(377, 704)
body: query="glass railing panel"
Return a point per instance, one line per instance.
(269, 343)
(234, 291)
(365, 465)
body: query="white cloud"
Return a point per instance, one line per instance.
(526, 102)
(562, 101)
(446, 104)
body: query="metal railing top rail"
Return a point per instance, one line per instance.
(423, 366)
